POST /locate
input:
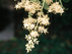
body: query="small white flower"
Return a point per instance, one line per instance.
(34, 34)
(41, 29)
(30, 42)
(28, 50)
(32, 26)
(56, 8)
(29, 20)
(45, 31)
(32, 46)
(28, 37)
(43, 20)
(29, 26)
(37, 42)
(16, 6)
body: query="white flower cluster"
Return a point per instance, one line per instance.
(28, 5)
(29, 23)
(32, 40)
(56, 8)
(36, 26)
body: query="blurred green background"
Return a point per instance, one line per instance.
(58, 41)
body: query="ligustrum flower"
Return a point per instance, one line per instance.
(28, 6)
(29, 26)
(41, 29)
(56, 8)
(36, 26)
(34, 34)
(43, 20)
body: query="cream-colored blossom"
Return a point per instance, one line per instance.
(34, 40)
(29, 20)
(32, 6)
(34, 34)
(28, 6)
(30, 42)
(41, 29)
(29, 26)
(56, 8)
(28, 37)
(45, 31)
(28, 48)
(37, 42)
(19, 5)
(43, 20)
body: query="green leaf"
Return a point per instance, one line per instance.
(46, 6)
(66, 1)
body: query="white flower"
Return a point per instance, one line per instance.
(32, 26)
(29, 26)
(29, 20)
(41, 29)
(27, 45)
(56, 8)
(37, 42)
(34, 40)
(17, 6)
(30, 42)
(34, 34)
(31, 6)
(45, 31)
(28, 37)
(28, 50)
(26, 25)
(43, 20)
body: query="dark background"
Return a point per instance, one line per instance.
(58, 41)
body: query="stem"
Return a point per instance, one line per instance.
(29, 14)
(61, 3)
(43, 5)
(36, 26)
(41, 14)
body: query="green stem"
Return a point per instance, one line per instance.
(36, 26)
(61, 3)
(29, 14)
(41, 14)
(43, 5)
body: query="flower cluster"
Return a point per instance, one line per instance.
(28, 6)
(29, 23)
(56, 8)
(32, 40)
(36, 26)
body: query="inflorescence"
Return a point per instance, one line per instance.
(36, 26)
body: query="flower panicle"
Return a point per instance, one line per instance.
(36, 26)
